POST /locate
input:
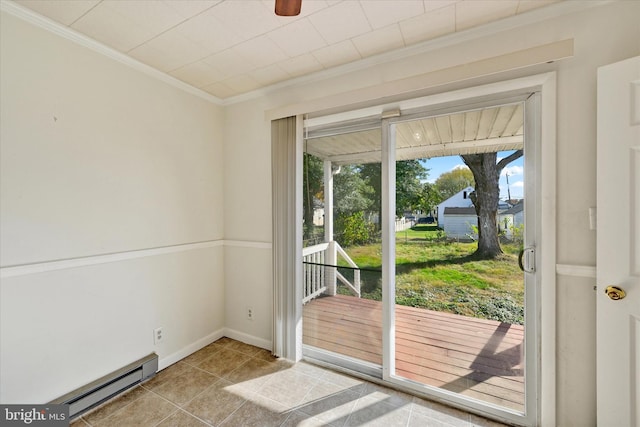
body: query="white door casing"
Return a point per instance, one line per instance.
(618, 246)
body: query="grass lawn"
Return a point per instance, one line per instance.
(439, 275)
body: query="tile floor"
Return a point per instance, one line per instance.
(229, 383)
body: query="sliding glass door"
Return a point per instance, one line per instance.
(457, 299)
(342, 307)
(420, 229)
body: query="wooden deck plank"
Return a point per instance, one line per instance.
(476, 357)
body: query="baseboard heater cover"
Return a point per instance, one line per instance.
(103, 389)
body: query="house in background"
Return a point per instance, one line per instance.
(459, 200)
(131, 167)
(459, 223)
(510, 219)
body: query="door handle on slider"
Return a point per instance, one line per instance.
(527, 260)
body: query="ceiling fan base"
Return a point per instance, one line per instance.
(288, 7)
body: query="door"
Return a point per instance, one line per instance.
(508, 376)
(618, 247)
(342, 318)
(462, 323)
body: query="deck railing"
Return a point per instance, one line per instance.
(321, 272)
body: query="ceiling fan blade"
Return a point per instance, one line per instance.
(288, 7)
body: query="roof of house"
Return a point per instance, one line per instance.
(469, 190)
(515, 209)
(460, 211)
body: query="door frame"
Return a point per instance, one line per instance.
(545, 258)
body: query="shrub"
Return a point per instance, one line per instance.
(353, 229)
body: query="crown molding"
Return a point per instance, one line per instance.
(65, 32)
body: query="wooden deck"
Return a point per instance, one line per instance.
(475, 357)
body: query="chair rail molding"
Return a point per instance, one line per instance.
(45, 266)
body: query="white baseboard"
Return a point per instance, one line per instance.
(190, 349)
(248, 339)
(203, 342)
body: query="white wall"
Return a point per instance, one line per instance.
(459, 226)
(601, 35)
(247, 215)
(97, 158)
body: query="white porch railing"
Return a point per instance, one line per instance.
(319, 275)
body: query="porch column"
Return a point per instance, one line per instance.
(330, 256)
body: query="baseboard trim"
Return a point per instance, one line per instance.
(169, 360)
(190, 349)
(248, 339)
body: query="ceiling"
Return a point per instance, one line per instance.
(479, 131)
(230, 47)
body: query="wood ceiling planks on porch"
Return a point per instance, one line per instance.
(476, 357)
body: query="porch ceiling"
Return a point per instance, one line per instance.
(478, 131)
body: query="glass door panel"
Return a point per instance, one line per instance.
(459, 226)
(342, 307)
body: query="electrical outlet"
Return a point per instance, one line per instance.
(158, 336)
(249, 313)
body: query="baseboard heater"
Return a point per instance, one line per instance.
(103, 389)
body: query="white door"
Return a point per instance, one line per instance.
(618, 253)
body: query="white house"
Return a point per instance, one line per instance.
(459, 222)
(131, 167)
(510, 218)
(459, 200)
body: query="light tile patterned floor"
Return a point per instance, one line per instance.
(229, 383)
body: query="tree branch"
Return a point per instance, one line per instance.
(504, 162)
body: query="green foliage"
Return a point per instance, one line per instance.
(351, 193)
(410, 191)
(517, 234)
(353, 229)
(409, 176)
(312, 190)
(428, 197)
(450, 183)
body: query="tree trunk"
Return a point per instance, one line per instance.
(486, 196)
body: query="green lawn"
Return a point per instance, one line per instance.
(439, 275)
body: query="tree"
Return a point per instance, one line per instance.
(450, 183)
(428, 197)
(486, 173)
(352, 197)
(312, 188)
(409, 177)
(351, 193)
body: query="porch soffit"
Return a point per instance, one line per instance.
(478, 131)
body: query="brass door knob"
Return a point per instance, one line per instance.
(615, 293)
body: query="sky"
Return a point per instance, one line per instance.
(515, 170)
